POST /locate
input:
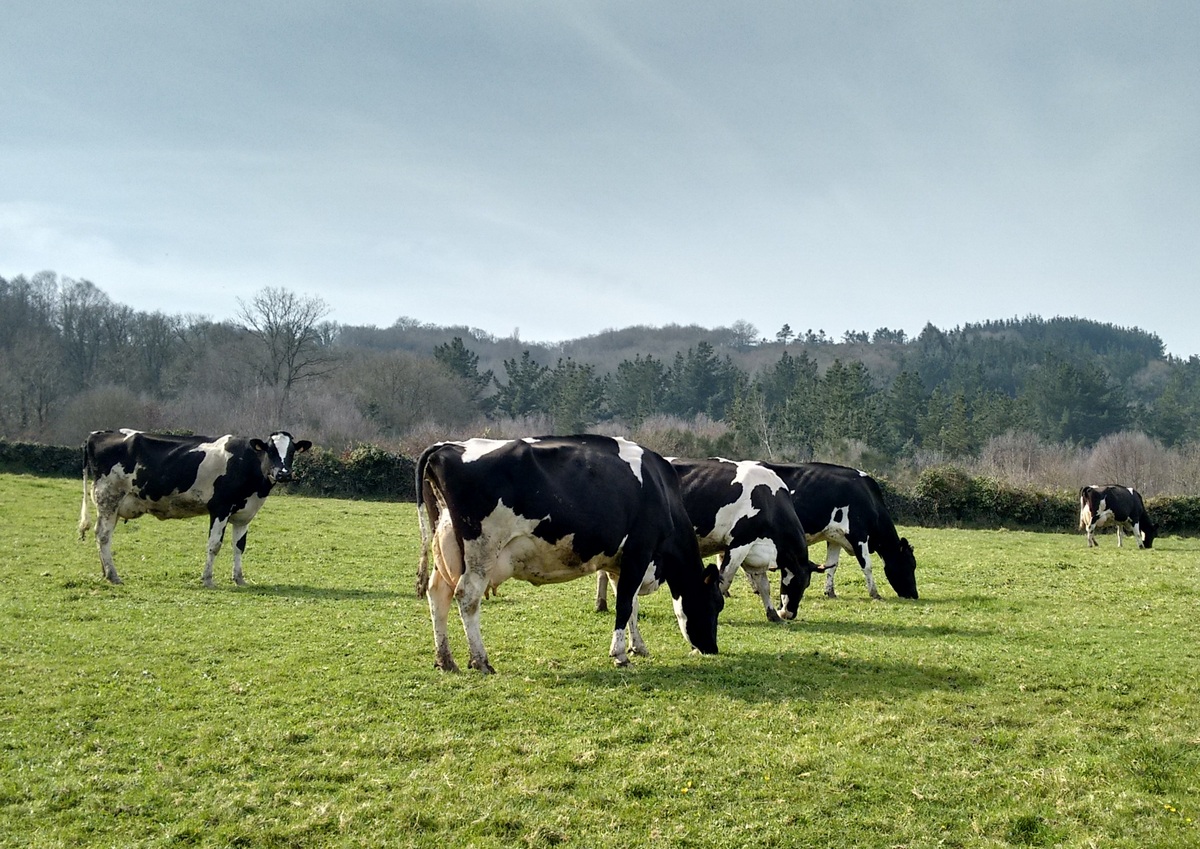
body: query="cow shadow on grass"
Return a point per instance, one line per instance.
(757, 677)
(868, 629)
(318, 593)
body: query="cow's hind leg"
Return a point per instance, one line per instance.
(216, 535)
(602, 591)
(832, 553)
(439, 593)
(106, 521)
(471, 588)
(762, 588)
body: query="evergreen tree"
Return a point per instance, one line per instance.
(638, 389)
(525, 391)
(574, 396)
(847, 398)
(464, 363)
(1078, 404)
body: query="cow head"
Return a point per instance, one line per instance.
(278, 453)
(793, 581)
(1148, 531)
(901, 570)
(697, 611)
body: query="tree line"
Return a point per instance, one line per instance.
(73, 360)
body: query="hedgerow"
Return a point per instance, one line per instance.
(944, 496)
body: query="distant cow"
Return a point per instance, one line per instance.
(742, 510)
(1119, 505)
(176, 477)
(551, 509)
(844, 508)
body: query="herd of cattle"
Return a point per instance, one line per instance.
(550, 509)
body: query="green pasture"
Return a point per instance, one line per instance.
(1038, 694)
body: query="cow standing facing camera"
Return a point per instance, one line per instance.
(133, 473)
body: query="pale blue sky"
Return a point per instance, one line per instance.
(566, 167)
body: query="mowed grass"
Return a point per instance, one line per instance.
(1038, 694)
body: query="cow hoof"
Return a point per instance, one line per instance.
(446, 666)
(621, 662)
(113, 579)
(772, 616)
(602, 607)
(209, 583)
(830, 594)
(241, 582)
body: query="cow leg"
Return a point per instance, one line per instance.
(439, 594)
(637, 645)
(216, 535)
(1091, 535)
(728, 569)
(628, 584)
(601, 591)
(471, 587)
(1120, 534)
(239, 548)
(106, 522)
(762, 587)
(864, 560)
(832, 553)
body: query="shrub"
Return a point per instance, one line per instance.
(55, 461)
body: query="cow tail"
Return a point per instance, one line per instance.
(84, 522)
(424, 524)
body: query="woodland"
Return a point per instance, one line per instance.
(1034, 401)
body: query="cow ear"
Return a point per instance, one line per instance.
(258, 445)
(303, 445)
(712, 574)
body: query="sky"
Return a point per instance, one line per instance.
(556, 169)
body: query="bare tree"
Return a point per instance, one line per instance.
(293, 341)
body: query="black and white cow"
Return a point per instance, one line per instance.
(1119, 505)
(550, 509)
(743, 511)
(843, 507)
(177, 477)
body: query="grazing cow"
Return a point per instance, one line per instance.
(1119, 505)
(742, 510)
(844, 508)
(176, 477)
(551, 509)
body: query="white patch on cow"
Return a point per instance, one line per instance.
(478, 447)
(281, 441)
(631, 453)
(509, 548)
(750, 475)
(127, 431)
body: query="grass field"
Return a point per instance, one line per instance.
(1038, 694)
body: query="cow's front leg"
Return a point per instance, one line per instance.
(239, 548)
(471, 587)
(727, 569)
(637, 645)
(105, 523)
(832, 553)
(216, 535)
(626, 602)
(864, 560)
